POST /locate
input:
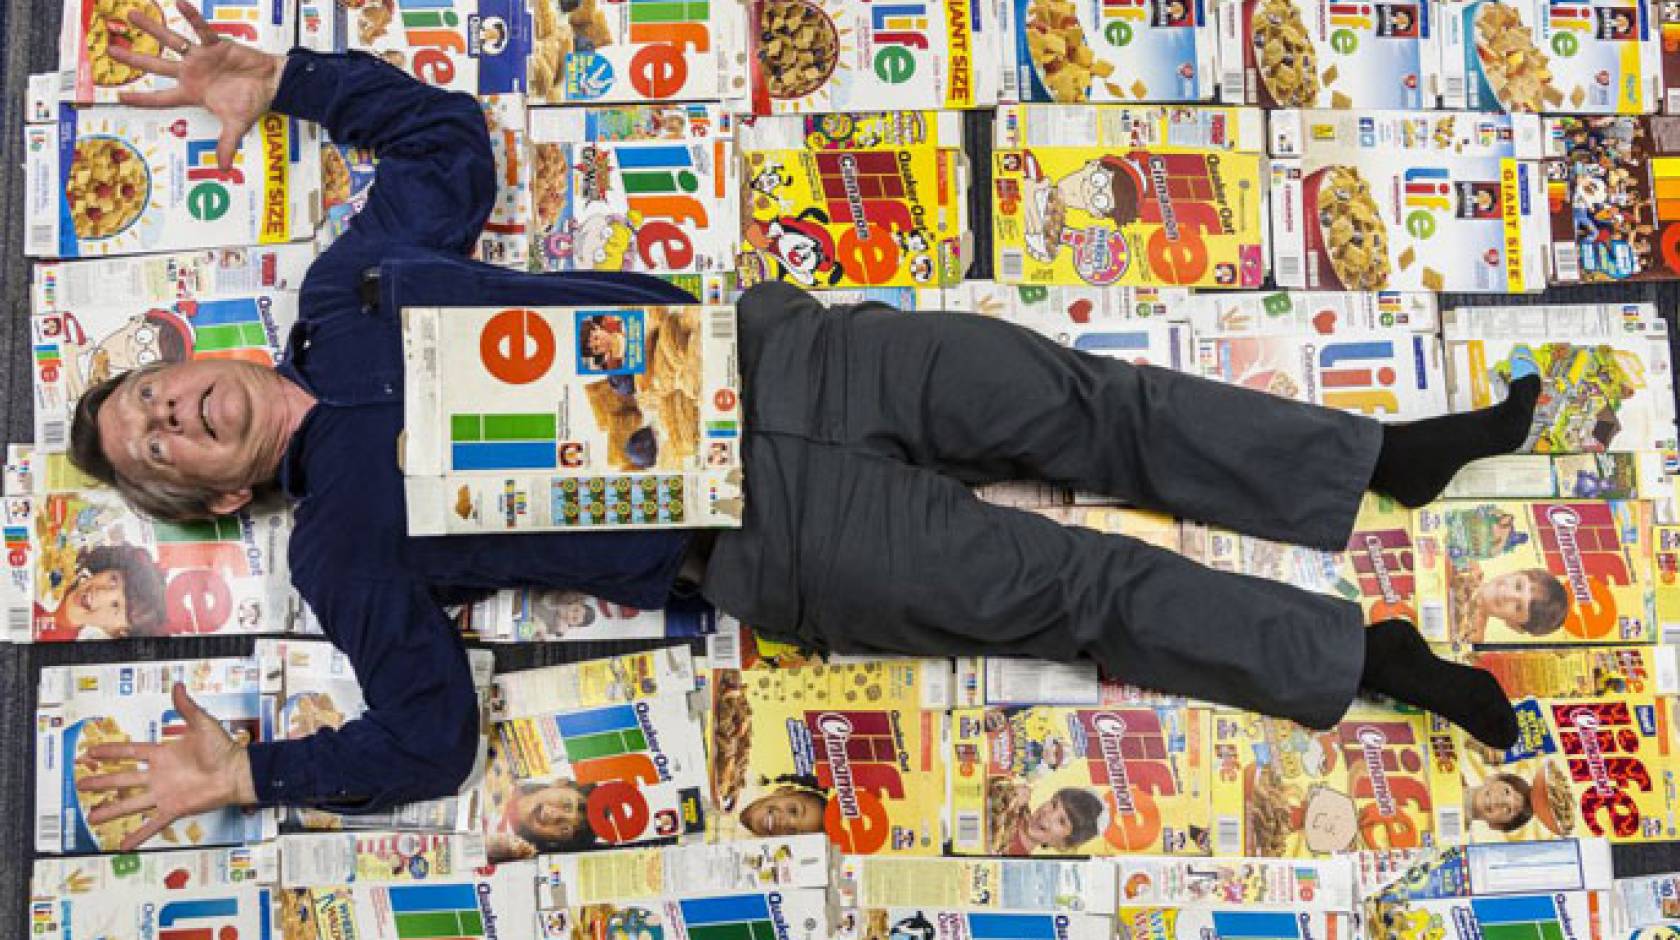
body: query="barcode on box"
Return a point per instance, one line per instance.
(1232, 79)
(1011, 86)
(17, 624)
(41, 239)
(53, 434)
(1670, 631)
(49, 833)
(1227, 836)
(1455, 91)
(1566, 262)
(723, 649)
(1011, 264)
(1287, 269)
(1434, 622)
(1451, 821)
(967, 836)
(723, 325)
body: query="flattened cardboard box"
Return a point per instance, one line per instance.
(1543, 57)
(91, 27)
(1073, 51)
(1327, 54)
(636, 52)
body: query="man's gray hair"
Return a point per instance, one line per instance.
(167, 502)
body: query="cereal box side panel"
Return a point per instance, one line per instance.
(1040, 884)
(166, 278)
(611, 680)
(506, 239)
(44, 208)
(1608, 183)
(1073, 52)
(1580, 673)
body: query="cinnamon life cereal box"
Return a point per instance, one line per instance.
(811, 56)
(83, 706)
(1613, 186)
(1328, 54)
(115, 180)
(633, 188)
(641, 51)
(1152, 196)
(1073, 51)
(1238, 883)
(1582, 672)
(1054, 780)
(1407, 200)
(91, 27)
(1538, 56)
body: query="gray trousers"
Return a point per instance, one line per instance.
(865, 425)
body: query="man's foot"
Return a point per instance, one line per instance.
(1418, 458)
(1400, 665)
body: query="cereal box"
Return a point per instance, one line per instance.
(1535, 914)
(854, 750)
(340, 858)
(1582, 767)
(436, 41)
(780, 863)
(528, 615)
(1143, 343)
(1540, 56)
(598, 52)
(1054, 780)
(91, 27)
(313, 687)
(1613, 184)
(1324, 54)
(1074, 304)
(1583, 672)
(491, 902)
(506, 239)
(102, 571)
(17, 575)
(1011, 680)
(1611, 475)
(642, 188)
(837, 55)
(1484, 870)
(608, 681)
(1163, 197)
(166, 278)
(114, 180)
(796, 914)
(1605, 370)
(1540, 572)
(1304, 313)
(347, 175)
(324, 25)
(950, 923)
(1249, 883)
(1380, 779)
(1108, 50)
(84, 706)
(181, 873)
(978, 884)
(1399, 200)
(1386, 375)
(78, 348)
(1665, 571)
(138, 911)
(570, 418)
(1194, 923)
(1650, 901)
(885, 216)
(852, 130)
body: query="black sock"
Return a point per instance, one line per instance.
(1400, 665)
(1418, 458)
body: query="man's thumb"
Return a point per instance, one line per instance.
(188, 709)
(227, 147)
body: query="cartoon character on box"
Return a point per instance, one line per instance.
(109, 592)
(801, 247)
(158, 335)
(1108, 188)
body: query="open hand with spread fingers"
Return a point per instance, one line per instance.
(232, 81)
(203, 769)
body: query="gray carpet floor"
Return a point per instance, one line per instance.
(28, 43)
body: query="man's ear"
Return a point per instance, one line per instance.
(223, 503)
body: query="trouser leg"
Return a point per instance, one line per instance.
(984, 400)
(854, 552)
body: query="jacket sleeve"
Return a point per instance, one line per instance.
(419, 737)
(435, 180)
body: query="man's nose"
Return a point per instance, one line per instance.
(163, 413)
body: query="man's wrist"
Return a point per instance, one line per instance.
(241, 786)
(276, 72)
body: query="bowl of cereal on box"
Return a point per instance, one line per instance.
(108, 188)
(1515, 70)
(1344, 228)
(108, 25)
(1061, 58)
(1284, 55)
(798, 47)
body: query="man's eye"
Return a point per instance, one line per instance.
(155, 450)
(145, 393)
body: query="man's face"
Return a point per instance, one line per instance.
(199, 423)
(99, 601)
(1508, 597)
(1497, 802)
(1049, 824)
(783, 814)
(556, 813)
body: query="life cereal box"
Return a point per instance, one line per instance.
(951, 923)
(506, 239)
(181, 873)
(794, 914)
(314, 687)
(1535, 572)
(17, 586)
(640, 188)
(495, 901)
(103, 572)
(854, 750)
(1407, 200)
(834, 55)
(1305, 313)
(878, 217)
(607, 681)
(526, 615)
(91, 27)
(1582, 767)
(166, 278)
(85, 706)
(1613, 184)
(978, 884)
(1140, 342)
(601, 52)
(347, 175)
(1162, 197)
(1385, 375)
(1055, 780)
(339, 858)
(116, 180)
(1597, 57)
(1605, 371)
(1108, 50)
(436, 41)
(851, 130)
(78, 348)
(143, 906)
(1248, 883)
(776, 864)
(1583, 672)
(1081, 304)
(1193, 923)
(570, 418)
(1325, 54)
(1380, 779)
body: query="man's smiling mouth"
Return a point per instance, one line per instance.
(204, 412)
